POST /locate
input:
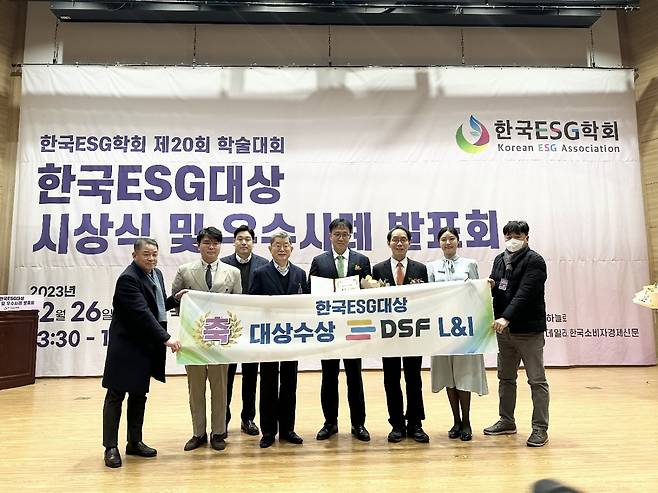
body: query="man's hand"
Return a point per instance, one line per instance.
(499, 324)
(492, 283)
(173, 345)
(180, 294)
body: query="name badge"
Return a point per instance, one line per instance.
(502, 285)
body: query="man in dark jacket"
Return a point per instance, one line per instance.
(341, 262)
(278, 380)
(517, 279)
(136, 348)
(247, 262)
(396, 271)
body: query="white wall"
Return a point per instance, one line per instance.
(48, 41)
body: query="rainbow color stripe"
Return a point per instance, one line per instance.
(479, 131)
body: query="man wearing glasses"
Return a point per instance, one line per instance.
(208, 274)
(396, 271)
(341, 262)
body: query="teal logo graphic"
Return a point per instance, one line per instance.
(479, 134)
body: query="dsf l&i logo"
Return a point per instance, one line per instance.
(478, 132)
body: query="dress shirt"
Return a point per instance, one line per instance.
(345, 255)
(394, 266)
(213, 268)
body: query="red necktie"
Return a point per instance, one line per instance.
(399, 275)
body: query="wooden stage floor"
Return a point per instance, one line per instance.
(603, 438)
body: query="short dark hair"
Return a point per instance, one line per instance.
(516, 227)
(340, 223)
(210, 232)
(244, 227)
(398, 226)
(142, 242)
(449, 229)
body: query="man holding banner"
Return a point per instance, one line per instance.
(406, 271)
(136, 350)
(341, 262)
(278, 380)
(246, 262)
(208, 274)
(517, 277)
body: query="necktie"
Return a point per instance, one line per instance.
(340, 260)
(399, 274)
(209, 277)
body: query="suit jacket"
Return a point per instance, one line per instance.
(136, 350)
(266, 280)
(415, 271)
(324, 265)
(193, 276)
(522, 302)
(256, 262)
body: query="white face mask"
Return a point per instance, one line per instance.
(514, 245)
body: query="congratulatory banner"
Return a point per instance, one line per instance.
(417, 320)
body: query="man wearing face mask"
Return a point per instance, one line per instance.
(517, 281)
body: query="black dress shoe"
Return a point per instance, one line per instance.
(139, 448)
(267, 441)
(326, 431)
(396, 435)
(292, 437)
(455, 432)
(112, 457)
(195, 442)
(249, 427)
(416, 432)
(360, 433)
(217, 441)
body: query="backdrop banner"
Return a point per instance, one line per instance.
(413, 320)
(109, 154)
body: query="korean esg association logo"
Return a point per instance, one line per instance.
(478, 140)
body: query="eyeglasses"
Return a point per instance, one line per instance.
(402, 240)
(342, 236)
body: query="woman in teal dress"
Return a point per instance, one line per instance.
(459, 374)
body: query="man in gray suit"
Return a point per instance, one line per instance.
(208, 274)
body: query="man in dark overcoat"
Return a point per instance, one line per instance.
(136, 349)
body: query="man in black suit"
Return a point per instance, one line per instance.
(341, 262)
(247, 262)
(136, 348)
(277, 403)
(396, 271)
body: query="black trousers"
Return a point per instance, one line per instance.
(414, 390)
(329, 391)
(249, 376)
(278, 397)
(112, 416)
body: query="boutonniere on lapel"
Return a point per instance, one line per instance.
(416, 281)
(357, 268)
(368, 283)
